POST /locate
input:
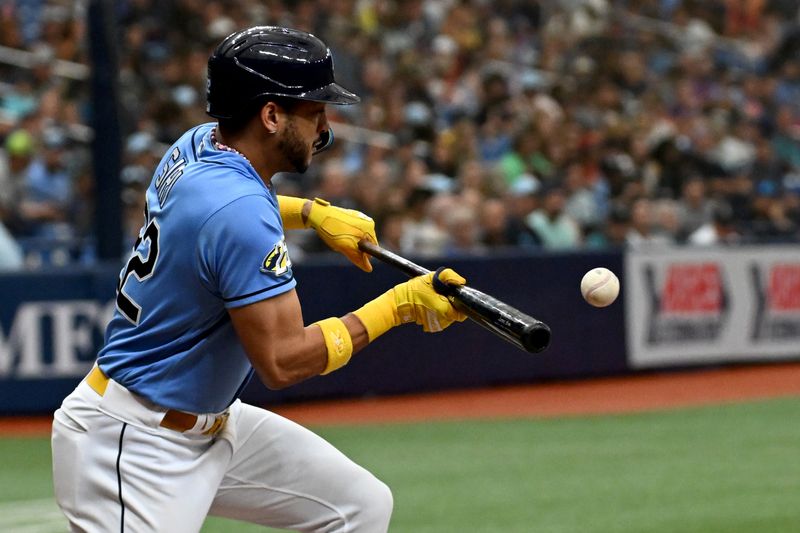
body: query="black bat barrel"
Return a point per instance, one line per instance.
(526, 332)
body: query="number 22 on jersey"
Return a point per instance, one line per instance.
(140, 266)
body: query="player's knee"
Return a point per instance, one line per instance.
(375, 504)
(381, 503)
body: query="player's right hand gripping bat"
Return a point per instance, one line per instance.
(505, 321)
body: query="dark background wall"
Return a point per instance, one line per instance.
(52, 324)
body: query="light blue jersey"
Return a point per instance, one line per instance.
(212, 240)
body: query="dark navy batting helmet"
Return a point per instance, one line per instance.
(270, 61)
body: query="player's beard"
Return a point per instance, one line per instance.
(294, 149)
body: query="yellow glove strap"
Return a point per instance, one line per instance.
(379, 315)
(291, 209)
(317, 215)
(338, 343)
(342, 229)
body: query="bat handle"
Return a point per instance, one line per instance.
(409, 268)
(401, 263)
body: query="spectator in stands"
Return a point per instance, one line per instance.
(582, 202)
(495, 138)
(786, 140)
(334, 184)
(527, 157)
(135, 180)
(47, 189)
(771, 221)
(721, 229)
(496, 227)
(464, 232)
(555, 229)
(766, 166)
(667, 220)
(522, 199)
(19, 99)
(614, 233)
(14, 161)
(18, 146)
(644, 231)
(694, 207)
(10, 252)
(421, 236)
(391, 230)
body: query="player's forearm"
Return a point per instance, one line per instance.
(358, 333)
(294, 359)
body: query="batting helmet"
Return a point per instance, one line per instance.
(270, 61)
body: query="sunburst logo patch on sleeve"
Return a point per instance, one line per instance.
(277, 261)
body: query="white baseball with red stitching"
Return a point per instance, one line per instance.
(600, 287)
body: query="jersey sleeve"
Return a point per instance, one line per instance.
(242, 254)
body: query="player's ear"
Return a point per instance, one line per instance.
(269, 117)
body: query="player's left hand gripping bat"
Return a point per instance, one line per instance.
(507, 322)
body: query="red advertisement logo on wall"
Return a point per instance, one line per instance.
(693, 288)
(690, 305)
(777, 295)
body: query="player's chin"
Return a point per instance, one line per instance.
(300, 166)
(299, 161)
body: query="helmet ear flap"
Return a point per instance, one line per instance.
(324, 141)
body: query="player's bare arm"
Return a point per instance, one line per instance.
(298, 352)
(301, 352)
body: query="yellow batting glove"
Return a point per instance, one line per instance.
(413, 301)
(418, 302)
(341, 229)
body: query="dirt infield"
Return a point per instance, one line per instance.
(595, 396)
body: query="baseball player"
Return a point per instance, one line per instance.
(155, 439)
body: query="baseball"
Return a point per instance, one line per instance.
(600, 287)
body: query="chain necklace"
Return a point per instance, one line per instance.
(225, 148)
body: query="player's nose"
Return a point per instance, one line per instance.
(322, 123)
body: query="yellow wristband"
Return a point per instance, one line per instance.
(338, 343)
(379, 315)
(291, 209)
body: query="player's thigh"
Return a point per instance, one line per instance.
(110, 475)
(283, 475)
(79, 475)
(169, 480)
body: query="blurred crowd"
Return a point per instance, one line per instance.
(549, 125)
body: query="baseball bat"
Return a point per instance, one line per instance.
(503, 320)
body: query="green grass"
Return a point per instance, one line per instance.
(722, 469)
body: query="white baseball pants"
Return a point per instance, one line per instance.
(116, 469)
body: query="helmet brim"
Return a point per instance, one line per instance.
(331, 94)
